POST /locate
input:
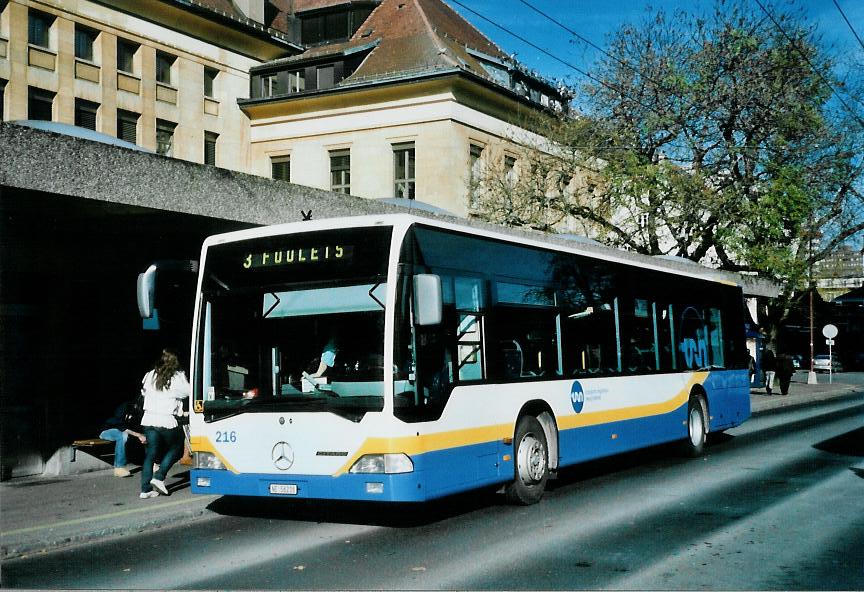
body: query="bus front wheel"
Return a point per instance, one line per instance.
(697, 426)
(531, 459)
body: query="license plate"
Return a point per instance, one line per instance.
(283, 488)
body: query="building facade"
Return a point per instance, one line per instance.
(164, 75)
(840, 272)
(376, 98)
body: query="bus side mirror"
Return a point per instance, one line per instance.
(428, 302)
(146, 289)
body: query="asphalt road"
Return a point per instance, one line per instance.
(775, 504)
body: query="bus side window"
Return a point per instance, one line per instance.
(470, 347)
(715, 338)
(640, 349)
(590, 341)
(665, 337)
(526, 329)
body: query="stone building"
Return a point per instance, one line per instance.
(377, 98)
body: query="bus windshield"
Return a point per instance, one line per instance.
(293, 323)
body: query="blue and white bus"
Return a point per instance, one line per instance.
(464, 358)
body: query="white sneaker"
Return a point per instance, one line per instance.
(122, 472)
(148, 494)
(159, 486)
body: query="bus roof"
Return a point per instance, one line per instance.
(751, 285)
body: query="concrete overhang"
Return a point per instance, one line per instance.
(61, 165)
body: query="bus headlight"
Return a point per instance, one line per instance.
(207, 460)
(383, 463)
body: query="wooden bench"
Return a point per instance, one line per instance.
(99, 447)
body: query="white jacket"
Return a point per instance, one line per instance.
(161, 406)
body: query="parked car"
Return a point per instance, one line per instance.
(823, 363)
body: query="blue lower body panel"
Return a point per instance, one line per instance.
(436, 474)
(406, 487)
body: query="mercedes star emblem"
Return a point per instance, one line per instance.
(283, 456)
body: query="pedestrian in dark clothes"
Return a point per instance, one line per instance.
(785, 370)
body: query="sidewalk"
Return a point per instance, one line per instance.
(800, 393)
(43, 513)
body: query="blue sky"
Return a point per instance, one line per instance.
(596, 19)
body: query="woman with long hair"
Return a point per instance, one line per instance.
(164, 389)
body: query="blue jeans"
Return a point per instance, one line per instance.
(119, 437)
(165, 447)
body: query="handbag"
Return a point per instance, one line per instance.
(134, 413)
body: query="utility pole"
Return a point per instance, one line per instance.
(811, 376)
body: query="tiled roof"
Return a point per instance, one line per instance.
(411, 36)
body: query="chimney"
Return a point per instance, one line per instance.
(252, 9)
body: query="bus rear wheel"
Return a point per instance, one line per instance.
(697, 426)
(531, 459)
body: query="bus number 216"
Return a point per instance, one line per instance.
(226, 436)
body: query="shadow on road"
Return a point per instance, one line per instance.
(848, 444)
(398, 515)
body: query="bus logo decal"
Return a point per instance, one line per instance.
(577, 396)
(283, 456)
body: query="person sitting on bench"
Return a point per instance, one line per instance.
(116, 430)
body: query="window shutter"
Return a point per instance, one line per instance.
(127, 126)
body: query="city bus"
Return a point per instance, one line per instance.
(459, 358)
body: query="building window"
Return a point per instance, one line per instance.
(2, 96)
(210, 75)
(84, 40)
(340, 171)
(165, 137)
(85, 114)
(210, 140)
(270, 85)
(297, 81)
(510, 170)
(280, 168)
(336, 25)
(127, 126)
(40, 104)
(475, 155)
(126, 51)
(39, 32)
(326, 77)
(403, 167)
(164, 64)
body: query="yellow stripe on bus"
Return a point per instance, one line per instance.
(413, 445)
(600, 417)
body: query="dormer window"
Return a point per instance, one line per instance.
(326, 77)
(272, 84)
(296, 81)
(332, 25)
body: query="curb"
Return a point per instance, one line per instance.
(60, 541)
